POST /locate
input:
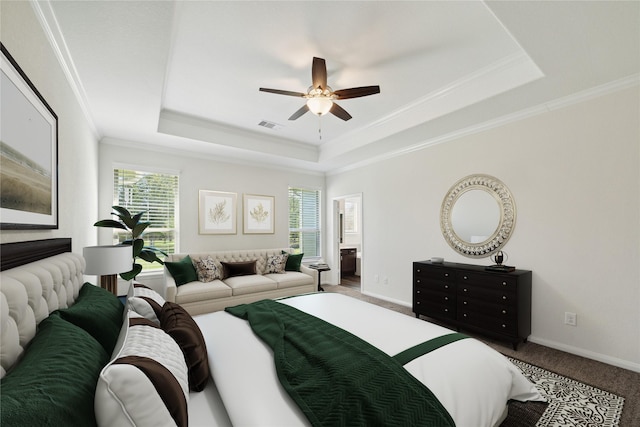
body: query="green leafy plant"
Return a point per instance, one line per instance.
(133, 225)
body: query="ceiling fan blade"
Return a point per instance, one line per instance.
(356, 92)
(283, 92)
(300, 112)
(319, 73)
(339, 112)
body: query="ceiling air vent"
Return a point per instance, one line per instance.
(270, 125)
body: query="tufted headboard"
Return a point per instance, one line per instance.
(37, 278)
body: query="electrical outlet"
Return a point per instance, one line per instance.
(570, 318)
(376, 278)
(385, 280)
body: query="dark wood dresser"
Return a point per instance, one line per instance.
(468, 297)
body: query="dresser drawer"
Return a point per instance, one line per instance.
(488, 281)
(435, 309)
(435, 296)
(504, 296)
(499, 311)
(488, 323)
(434, 285)
(442, 274)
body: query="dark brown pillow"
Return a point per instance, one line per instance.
(239, 268)
(179, 324)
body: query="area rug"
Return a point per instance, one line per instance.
(572, 403)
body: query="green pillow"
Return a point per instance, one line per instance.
(182, 271)
(98, 312)
(293, 262)
(55, 381)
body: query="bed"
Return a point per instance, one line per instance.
(470, 380)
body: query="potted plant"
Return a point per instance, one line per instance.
(133, 225)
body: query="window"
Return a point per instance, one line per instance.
(304, 221)
(351, 215)
(155, 194)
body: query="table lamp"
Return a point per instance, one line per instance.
(106, 262)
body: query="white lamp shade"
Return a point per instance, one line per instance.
(319, 105)
(104, 260)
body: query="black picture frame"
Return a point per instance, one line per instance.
(28, 152)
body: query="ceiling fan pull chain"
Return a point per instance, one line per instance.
(320, 127)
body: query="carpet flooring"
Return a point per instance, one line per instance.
(621, 382)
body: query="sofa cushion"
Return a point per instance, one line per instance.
(199, 291)
(183, 271)
(245, 268)
(242, 285)
(146, 383)
(290, 279)
(276, 263)
(145, 301)
(98, 312)
(208, 269)
(56, 378)
(175, 321)
(293, 262)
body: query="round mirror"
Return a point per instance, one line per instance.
(477, 216)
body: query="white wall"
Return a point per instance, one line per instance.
(201, 173)
(25, 40)
(575, 177)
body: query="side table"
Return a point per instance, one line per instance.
(320, 269)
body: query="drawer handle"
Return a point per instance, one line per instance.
(504, 283)
(418, 270)
(446, 310)
(446, 298)
(446, 286)
(464, 315)
(418, 291)
(504, 311)
(464, 290)
(504, 326)
(504, 297)
(446, 274)
(417, 302)
(465, 302)
(418, 281)
(465, 277)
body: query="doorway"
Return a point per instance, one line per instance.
(348, 236)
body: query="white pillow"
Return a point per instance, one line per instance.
(145, 301)
(146, 383)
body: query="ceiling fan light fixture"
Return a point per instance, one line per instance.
(319, 105)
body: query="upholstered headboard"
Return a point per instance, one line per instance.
(37, 278)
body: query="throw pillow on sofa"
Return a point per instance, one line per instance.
(182, 271)
(244, 268)
(276, 263)
(207, 269)
(293, 262)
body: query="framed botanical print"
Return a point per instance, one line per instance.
(258, 214)
(217, 212)
(28, 152)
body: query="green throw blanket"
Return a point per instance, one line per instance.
(336, 378)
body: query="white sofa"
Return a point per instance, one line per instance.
(204, 297)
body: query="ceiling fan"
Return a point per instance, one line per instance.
(320, 97)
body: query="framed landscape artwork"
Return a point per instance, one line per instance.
(217, 212)
(258, 214)
(28, 152)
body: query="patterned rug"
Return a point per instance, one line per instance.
(572, 403)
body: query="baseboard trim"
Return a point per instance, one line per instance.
(609, 360)
(385, 298)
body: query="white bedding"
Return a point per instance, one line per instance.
(471, 380)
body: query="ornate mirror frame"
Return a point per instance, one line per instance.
(505, 227)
